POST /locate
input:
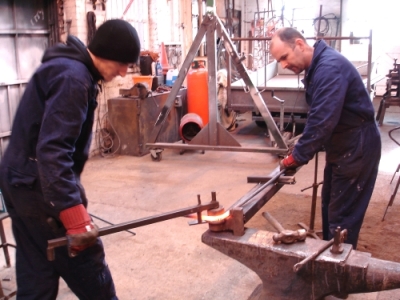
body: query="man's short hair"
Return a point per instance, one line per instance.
(289, 35)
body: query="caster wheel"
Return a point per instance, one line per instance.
(156, 155)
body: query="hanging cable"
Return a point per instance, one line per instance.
(91, 23)
(105, 140)
(323, 28)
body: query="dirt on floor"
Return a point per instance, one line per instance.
(376, 236)
(167, 260)
(380, 230)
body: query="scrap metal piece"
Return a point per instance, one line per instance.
(138, 90)
(297, 267)
(338, 239)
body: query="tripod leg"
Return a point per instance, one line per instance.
(398, 168)
(392, 197)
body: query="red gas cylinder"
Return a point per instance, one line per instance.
(197, 90)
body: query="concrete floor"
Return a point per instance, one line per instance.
(167, 260)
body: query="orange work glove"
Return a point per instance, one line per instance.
(81, 232)
(288, 163)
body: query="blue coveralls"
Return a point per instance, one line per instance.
(341, 118)
(40, 175)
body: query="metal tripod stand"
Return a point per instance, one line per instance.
(214, 136)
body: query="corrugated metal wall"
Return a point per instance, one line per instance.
(24, 35)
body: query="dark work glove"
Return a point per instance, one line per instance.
(288, 163)
(81, 232)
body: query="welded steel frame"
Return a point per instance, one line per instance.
(214, 136)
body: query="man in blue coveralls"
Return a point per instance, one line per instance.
(341, 119)
(41, 168)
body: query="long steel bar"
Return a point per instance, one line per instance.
(63, 241)
(109, 223)
(32, 32)
(252, 207)
(326, 38)
(216, 148)
(212, 86)
(369, 68)
(314, 194)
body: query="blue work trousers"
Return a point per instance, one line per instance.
(349, 179)
(87, 274)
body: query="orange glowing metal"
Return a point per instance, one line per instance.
(211, 218)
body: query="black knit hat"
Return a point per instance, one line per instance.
(116, 40)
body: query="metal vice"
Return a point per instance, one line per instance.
(348, 272)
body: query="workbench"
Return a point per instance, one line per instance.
(286, 86)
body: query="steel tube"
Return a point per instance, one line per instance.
(326, 38)
(215, 148)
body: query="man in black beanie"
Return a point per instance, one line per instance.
(41, 167)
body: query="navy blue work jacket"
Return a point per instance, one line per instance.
(52, 129)
(339, 102)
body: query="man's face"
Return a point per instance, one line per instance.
(110, 69)
(289, 57)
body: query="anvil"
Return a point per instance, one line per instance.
(349, 272)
